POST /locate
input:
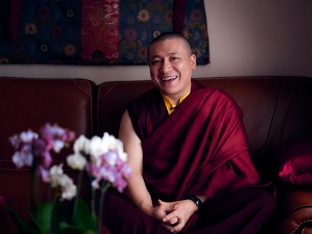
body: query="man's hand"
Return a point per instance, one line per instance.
(159, 212)
(177, 214)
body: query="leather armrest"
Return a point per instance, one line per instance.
(296, 212)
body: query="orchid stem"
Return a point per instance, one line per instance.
(103, 191)
(31, 192)
(36, 187)
(93, 201)
(80, 174)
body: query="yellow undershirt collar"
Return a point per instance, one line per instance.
(170, 106)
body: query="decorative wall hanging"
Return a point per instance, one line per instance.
(95, 31)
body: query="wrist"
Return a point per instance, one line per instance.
(148, 209)
(196, 200)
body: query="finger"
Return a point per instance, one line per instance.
(172, 221)
(176, 228)
(172, 229)
(168, 226)
(170, 216)
(161, 202)
(169, 206)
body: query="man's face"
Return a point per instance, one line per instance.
(171, 65)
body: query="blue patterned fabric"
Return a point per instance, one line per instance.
(142, 21)
(50, 31)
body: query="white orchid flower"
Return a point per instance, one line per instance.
(59, 179)
(123, 156)
(97, 147)
(110, 141)
(54, 174)
(69, 190)
(82, 144)
(76, 161)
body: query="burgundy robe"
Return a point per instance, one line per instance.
(200, 149)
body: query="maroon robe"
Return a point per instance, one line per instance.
(188, 151)
(200, 149)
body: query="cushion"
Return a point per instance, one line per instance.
(295, 163)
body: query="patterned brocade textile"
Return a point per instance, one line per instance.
(144, 21)
(96, 32)
(99, 30)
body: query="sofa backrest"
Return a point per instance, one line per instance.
(112, 98)
(29, 104)
(276, 109)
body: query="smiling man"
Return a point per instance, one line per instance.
(188, 150)
(171, 63)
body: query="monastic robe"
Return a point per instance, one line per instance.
(200, 149)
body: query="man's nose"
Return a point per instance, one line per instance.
(166, 66)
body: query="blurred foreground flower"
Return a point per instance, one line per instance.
(103, 159)
(105, 162)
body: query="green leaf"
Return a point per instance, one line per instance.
(61, 214)
(67, 228)
(85, 220)
(89, 232)
(22, 225)
(43, 217)
(56, 218)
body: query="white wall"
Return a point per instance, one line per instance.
(309, 29)
(267, 37)
(246, 37)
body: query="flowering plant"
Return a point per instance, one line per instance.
(103, 159)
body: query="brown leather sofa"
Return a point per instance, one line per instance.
(277, 113)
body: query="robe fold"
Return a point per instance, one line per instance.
(200, 149)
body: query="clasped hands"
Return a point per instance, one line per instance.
(174, 215)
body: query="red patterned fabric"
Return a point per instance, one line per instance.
(16, 7)
(178, 15)
(99, 29)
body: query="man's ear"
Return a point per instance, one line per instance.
(193, 61)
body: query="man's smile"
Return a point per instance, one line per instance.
(169, 78)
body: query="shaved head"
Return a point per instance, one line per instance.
(170, 35)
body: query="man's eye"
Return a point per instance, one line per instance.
(155, 61)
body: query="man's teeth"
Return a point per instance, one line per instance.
(169, 78)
